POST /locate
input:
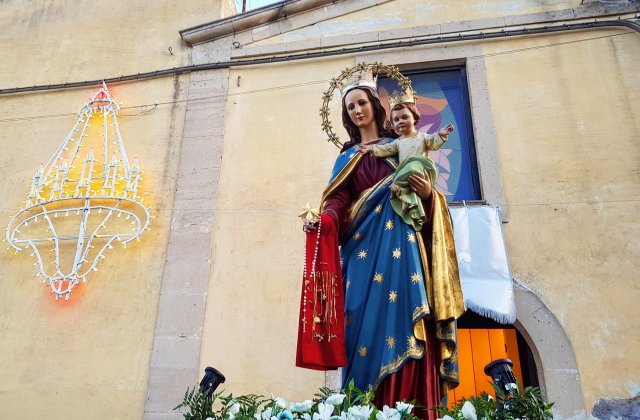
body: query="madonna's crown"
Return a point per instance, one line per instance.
(358, 77)
(409, 96)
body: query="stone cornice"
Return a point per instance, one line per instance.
(626, 10)
(272, 14)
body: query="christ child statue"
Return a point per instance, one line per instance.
(413, 150)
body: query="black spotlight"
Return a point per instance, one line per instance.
(501, 373)
(210, 381)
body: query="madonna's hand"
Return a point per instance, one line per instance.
(310, 225)
(420, 186)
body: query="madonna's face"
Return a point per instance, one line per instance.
(359, 108)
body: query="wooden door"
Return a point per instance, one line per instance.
(476, 348)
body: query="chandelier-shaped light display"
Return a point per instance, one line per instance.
(82, 202)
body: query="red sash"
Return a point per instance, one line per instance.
(321, 343)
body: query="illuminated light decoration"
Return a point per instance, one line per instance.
(86, 189)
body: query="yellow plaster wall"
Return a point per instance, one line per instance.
(88, 358)
(275, 159)
(553, 108)
(56, 42)
(401, 14)
(568, 132)
(566, 117)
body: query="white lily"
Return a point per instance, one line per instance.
(266, 414)
(233, 410)
(469, 411)
(388, 414)
(335, 399)
(324, 412)
(403, 407)
(281, 402)
(343, 416)
(301, 406)
(360, 412)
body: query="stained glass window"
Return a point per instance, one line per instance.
(443, 99)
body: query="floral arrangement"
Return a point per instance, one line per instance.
(514, 404)
(354, 404)
(349, 404)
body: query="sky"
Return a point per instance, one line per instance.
(255, 4)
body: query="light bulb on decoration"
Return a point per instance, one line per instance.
(71, 182)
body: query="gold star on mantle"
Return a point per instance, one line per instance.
(393, 296)
(377, 277)
(391, 342)
(378, 209)
(362, 351)
(388, 225)
(411, 237)
(307, 213)
(415, 278)
(396, 253)
(362, 254)
(357, 236)
(348, 284)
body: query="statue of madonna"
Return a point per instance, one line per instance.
(400, 290)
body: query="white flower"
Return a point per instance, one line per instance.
(360, 412)
(388, 414)
(324, 412)
(510, 386)
(306, 416)
(469, 411)
(335, 399)
(446, 417)
(266, 414)
(303, 406)
(344, 416)
(232, 410)
(235, 407)
(404, 408)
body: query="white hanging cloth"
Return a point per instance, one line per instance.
(482, 260)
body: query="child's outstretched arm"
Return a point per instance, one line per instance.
(364, 148)
(384, 150)
(444, 132)
(437, 140)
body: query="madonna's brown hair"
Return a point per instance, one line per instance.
(380, 117)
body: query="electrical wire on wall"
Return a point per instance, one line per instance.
(335, 52)
(146, 109)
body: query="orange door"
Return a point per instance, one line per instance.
(477, 348)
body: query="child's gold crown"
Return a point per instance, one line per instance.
(359, 77)
(402, 98)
